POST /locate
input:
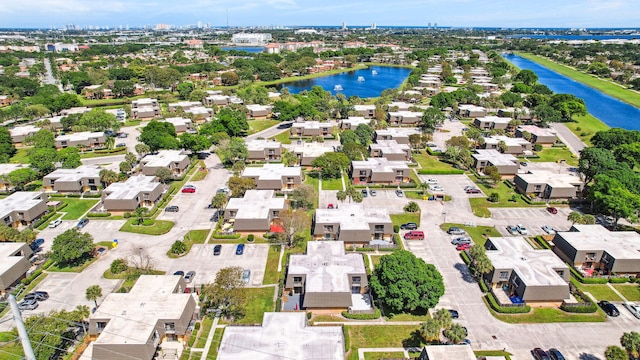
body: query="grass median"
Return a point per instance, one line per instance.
(380, 336)
(77, 207)
(157, 227)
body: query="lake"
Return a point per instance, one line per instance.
(249, 49)
(575, 37)
(372, 84)
(611, 111)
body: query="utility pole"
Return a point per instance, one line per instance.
(22, 331)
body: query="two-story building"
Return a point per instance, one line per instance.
(145, 109)
(400, 135)
(257, 111)
(507, 164)
(182, 125)
(404, 118)
(154, 314)
(174, 160)
(14, 264)
(309, 151)
(471, 111)
(537, 134)
(5, 170)
(255, 212)
(549, 185)
(492, 122)
(390, 150)
(312, 128)
(23, 208)
(184, 105)
(85, 139)
(379, 171)
(352, 122)
(516, 146)
(326, 277)
(367, 111)
(264, 150)
(73, 181)
(274, 176)
(127, 196)
(20, 133)
(353, 224)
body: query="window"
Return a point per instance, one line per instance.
(399, 173)
(356, 279)
(328, 228)
(379, 228)
(363, 173)
(92, 181)
(297, 279)
(591, 256)
(560, 272)
(504, 275)
(101, 325)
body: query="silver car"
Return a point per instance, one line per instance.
(633, 308)
(28, 305)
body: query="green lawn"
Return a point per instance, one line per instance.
(375, 260)
(505, 354)
(553, 154)
(629, 291)
(260, 301)
(215, 344)
(478, 234)
(372, 336)
(599, 291)
(271, 274)
(11, 350)
(408, 317)
(549, 315)
(259, 125)
(430, 162)
(77, 207)
(312, 179)
(46, 223)
(606, 86)
(205, 329)
(383, 355)
(192, 237)
(75, 269)
(159, 227)
(21, 157)
(586, 126)
(480, 205)
(283, 137)
(332, 184)
(399, 219)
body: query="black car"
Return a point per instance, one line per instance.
(556, 354)
(454, 313)
(609, 308)
(82, 223)
(364, 193)
(217, 249)
(215, 217)
(409, 226)
(540, 354)
(109, 133)
(172, 208)
(37, 296)
(179, 272)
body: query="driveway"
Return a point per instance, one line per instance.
(454, 129)
(271, 132)
(568, 137)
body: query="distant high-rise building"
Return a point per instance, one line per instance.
(199, 24)
(435, 25)
(344, 25)
(428, 25)
(373, 26)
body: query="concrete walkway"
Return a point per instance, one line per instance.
(207, 346)
(617, 292)
(569, 138)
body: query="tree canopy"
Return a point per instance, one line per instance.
(71, 247)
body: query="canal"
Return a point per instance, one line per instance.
(365, 83)
(609, 110)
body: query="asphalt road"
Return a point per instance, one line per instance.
(569, 138)
(272, 131)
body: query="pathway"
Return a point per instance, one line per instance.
(270, 132)
(569, 138)
(207, 345)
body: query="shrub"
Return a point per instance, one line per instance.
(465, 257)
(618, 280)
(250, 237)
(493, 304)
(412, 207)
(196, 326)
(581, 309)
(96, 215)
(582, 279)
(127, 215)
(375, 315)
(148, 222)
(178, 247)
(309, 315)
(494, 197)
(396, 229)
(118, 266)
(537, 147)
(483, 286)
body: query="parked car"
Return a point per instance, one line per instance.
(432, 181)
(399, 193)
(461, 240)
(633, 308)
(555, 354)
(513, 230)
(455, 231)
(55, 223)
(217, 249)
(189, 277)
(364, 193)
(609, 308)
(463, 246)
(409, 226)
(172, 208)
(240, 249)
(522, 230)
(414, 235)
(189, 190)
(37, 296)
(454, 313)
(372, 192)
(82, 223)
(119, 145)
(330, 206)
(122, 135)
(540, 354)
(28, 305)
(552, 210)
(246, 274)
(436, 188)
(222, 191)
(473, 191)
(548, 229)
(36, 244)
(179, 272)
(523, 163)
(189, 186)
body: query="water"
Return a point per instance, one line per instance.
(575, 37)
(387, 77)
(249, 49)
(611, 111)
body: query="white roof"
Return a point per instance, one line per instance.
(556, 180)
(257, 107)
(7, 260)
(619, 244)
(313, 149)
(538, 131)
(364, 107)
(256, 204)
(7, 168)
(355, 121)
(79, 173)
(495, 157)
(509, 141)
(199, 110)
(401, 105)
(185, 104)
(24, 130)
(131, 188)
(145, 101)
(326, 266)
(390, 147)
(495, 119)
(313, 124)
(81, 136)
(20, 200)
(534, 267)
(471, 107)
(272, 171)
(261, 144)
(450, 352)
(405, 113)
(353, 216)
(379, 165)
(163, 158)
(397, 132)
(177, 121)
(283, 335)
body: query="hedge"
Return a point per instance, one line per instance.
(493, 304)
(540, 240)
(483, 286)
(49, 215)
(440, 172)
(27, 281)
(465, 257)
(92, 196)
(221, 236)
(375, 315)
(47, 264)
(580, 309)
(95, 215)
(618, 280)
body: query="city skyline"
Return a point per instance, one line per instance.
(218, 13)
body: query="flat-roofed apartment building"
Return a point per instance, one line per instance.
(514, 146)
(400, 105)
(144, 109)
(507, 164)
(492, 122)
(74, 181)
(274, 176)
(309, 151)
(86, 139)
(549, 185)
(390, 150)
(174, 160)
(400, 135)
(368, 111)
(264, 150)
(326, 277)
(255, 211)
(404, 118)
(20, 133)
(447, 352)
(75, 110)
(538, 135)
(257, 111)
(534, 275)
(352, 122)
(184, 105)
(312, 128)
(471, 111)
(379, 171)
(23, 208)
(129, 195)
(5, 170)
(282, 335)
(14, 264)
(182, 125)
(221, 100)
(155, 312)
(352, 224)
(594, 249)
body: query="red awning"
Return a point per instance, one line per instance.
(276, 229)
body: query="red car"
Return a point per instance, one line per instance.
(330, 206)
(552, 210)
(463, 246)
(189, 190)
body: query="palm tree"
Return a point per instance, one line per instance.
(575, 217)
(93, 293)
(455, 333)
(430, 330)
(109, 142)
(108, 177)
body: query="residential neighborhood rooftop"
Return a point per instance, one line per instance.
(258, 144)
(7, 168)
(390, 147)
(131, 188)
(395, 132)
(81, 172)
(619, 244)
(256, 204)
(495, 157)
(7, 260)
(353, 216)
(313, 124)
(536, 130)
(449, 352)
(379, 165)
(80, 136)
(554, 179)
(178, 121)
(24, 130)
(163, 158)
(509, 141)
(272, 171)
(19, 200)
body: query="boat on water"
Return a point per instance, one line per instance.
(337, 88)
(360, 78)
(373, 72)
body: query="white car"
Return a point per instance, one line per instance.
(633, 308)
(522, 230)
(432, 181)
(436, 188)
(55, 223)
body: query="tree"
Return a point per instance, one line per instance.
(43, 159)
(594, 161)
(355, 151)
(184, 89)
(51, 331)
(21, 177)
(304, 197)
(140, 213)
(229, 78)
(589, 219)
(293, 222)
(412, 207)
(230, 151)
(494, 197)
(142, 149)
(233, 122)
(482, 264)
(118, 266)
(194, 143)
(574, 217)
(219, 201)
(404, 282)
(611, 197)
(125, 167)
(430, 330)
(615, 353)
(630, 341)
(69, 157)
(71, 248)
(456, 333)
(443, 318)
(110, 142)
(131, 158)
(493, 173)
(431, 118)
(239, 185)
(108, 177)
(526, 76)
(352, 193)
(42, 139)
(227, 293)
(99, 120)
(331, 164)
(238, 167)
(93, 293)
(159, 135)
(178, 248)
(7, 149)
(364, 134)
(164, 174)
(289, 158)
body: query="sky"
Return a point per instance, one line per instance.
(456, 13)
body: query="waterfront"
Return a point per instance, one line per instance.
(374, 80)
(249, 49)
(609, 110)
